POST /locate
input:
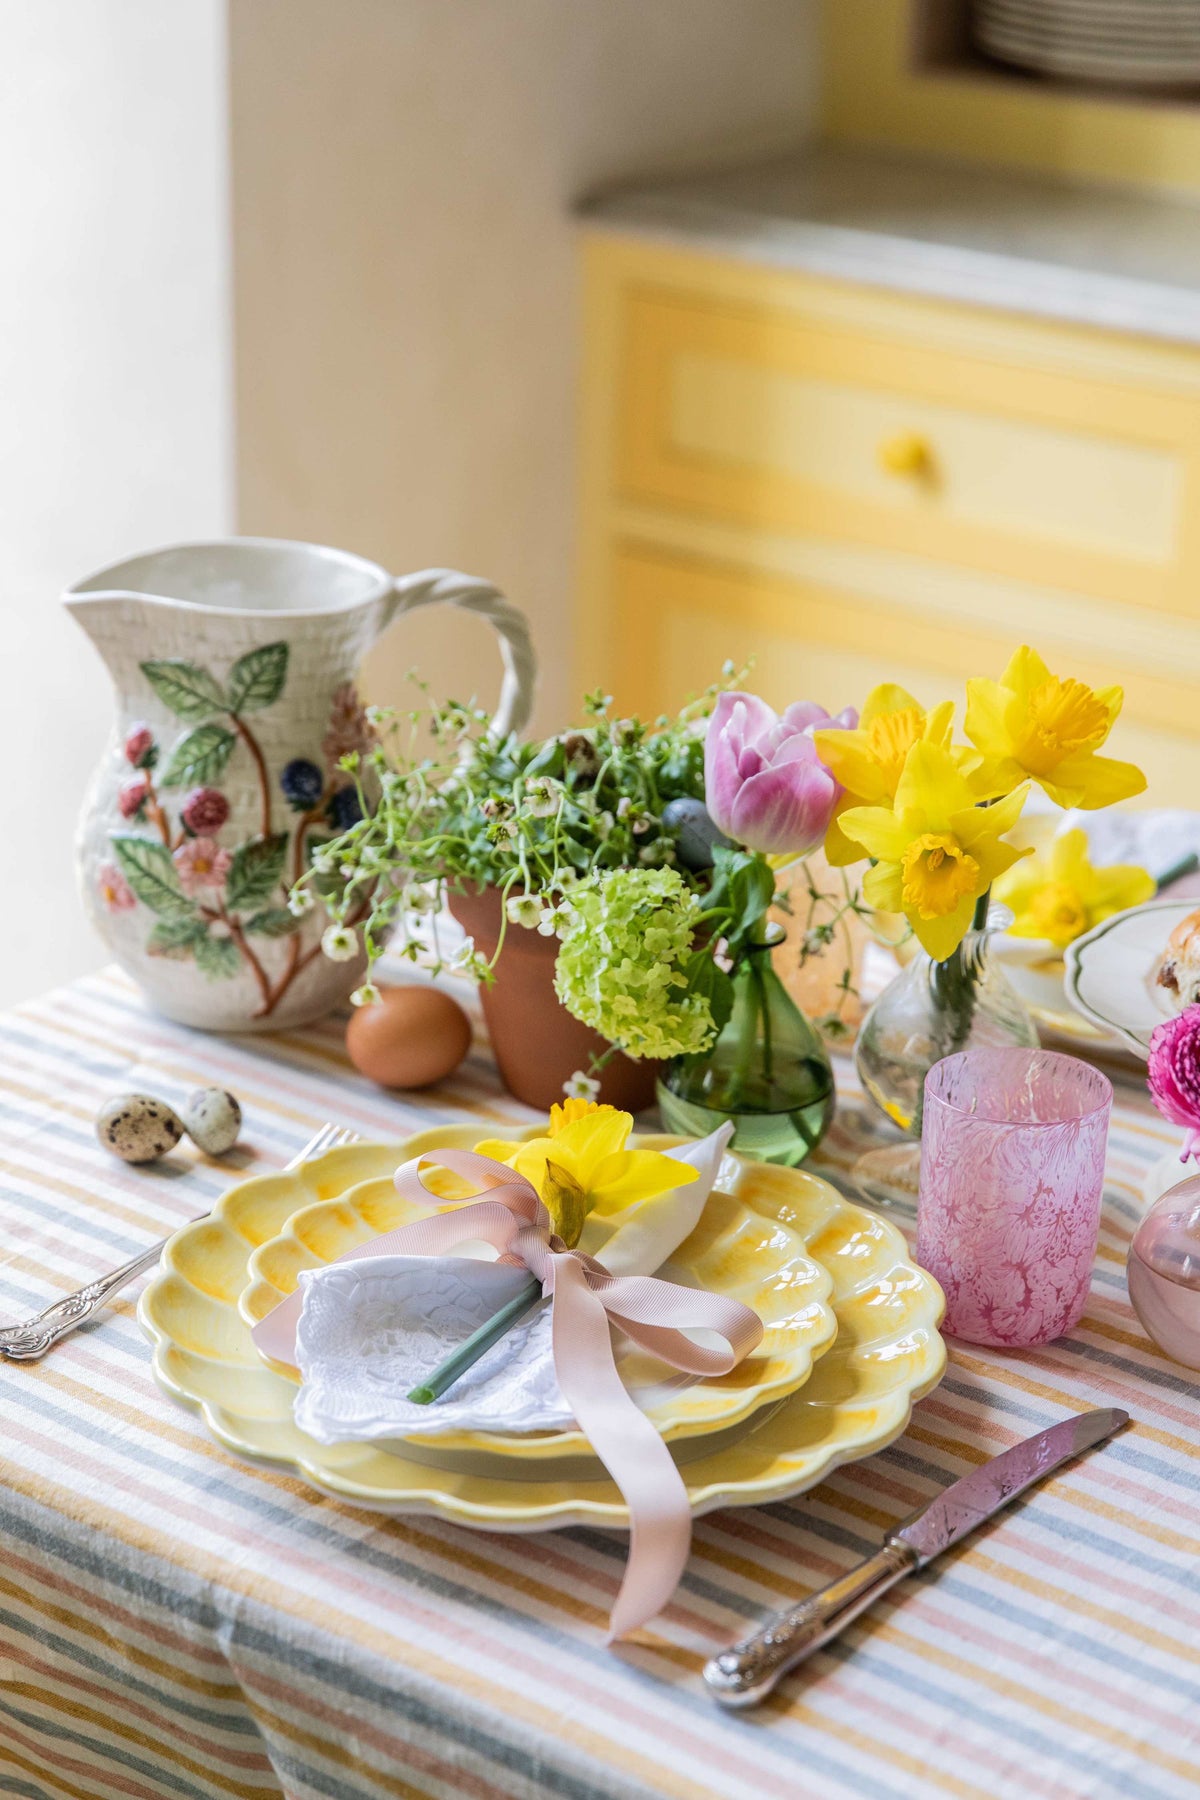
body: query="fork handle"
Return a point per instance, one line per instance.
(27, 1342)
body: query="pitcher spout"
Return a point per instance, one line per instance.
(118, 624)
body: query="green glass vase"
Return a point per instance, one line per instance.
(767, 1072)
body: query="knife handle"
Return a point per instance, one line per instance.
(746, 1672)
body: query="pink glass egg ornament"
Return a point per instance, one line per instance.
(1163, 1272)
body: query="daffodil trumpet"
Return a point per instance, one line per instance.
(580, 1166)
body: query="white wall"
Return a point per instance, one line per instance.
(405, 311)
(405, 264)
(114, 388)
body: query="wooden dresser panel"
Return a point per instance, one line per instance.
(853, 485)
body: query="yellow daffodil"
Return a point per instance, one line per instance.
(870, 761)
(1058, 894)
(937, 851)
(1033, 723)
(582, 1165)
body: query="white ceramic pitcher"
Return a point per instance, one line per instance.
(234, 665)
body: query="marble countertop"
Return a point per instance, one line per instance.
(1095, 256)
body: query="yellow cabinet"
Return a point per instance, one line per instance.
(851, 485)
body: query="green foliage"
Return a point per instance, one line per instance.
(743, 888)
(572, 832)
(200, 758)
(710, 983)
(257, 679)
(190, 691)
(177, 938)
(255, 872)
(472, 810)
(274, 922)
(217, 957)
(148, 869)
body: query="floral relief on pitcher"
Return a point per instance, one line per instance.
(219, 904)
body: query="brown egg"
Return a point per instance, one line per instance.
(409, 1038)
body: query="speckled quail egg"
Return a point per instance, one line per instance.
(212, 1119)
(137, 1127)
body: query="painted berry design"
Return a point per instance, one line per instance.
(133, 795)
(344, 809)
(139, 746)
(303, 783)
(204, 811)
(214, 904)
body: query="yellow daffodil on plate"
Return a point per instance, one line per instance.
(936, 850)
(582, 1165)
(869, 761)
(1058, 894)
(1048, 727)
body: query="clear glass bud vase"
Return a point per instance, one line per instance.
(932, 1010)
(767, 1072)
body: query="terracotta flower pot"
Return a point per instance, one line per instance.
(536, 1042)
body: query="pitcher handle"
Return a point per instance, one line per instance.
(429, 587)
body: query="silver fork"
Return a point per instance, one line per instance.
(31, 1340)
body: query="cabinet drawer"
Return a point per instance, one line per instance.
(678, 617)
(1029, 472)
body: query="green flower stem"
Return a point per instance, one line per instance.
(953, 983)
(743, 1057)
(477, 1345)
(1182, 866)
(760, 988)
(749, 1014)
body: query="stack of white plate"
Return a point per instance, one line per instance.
(1130, 43)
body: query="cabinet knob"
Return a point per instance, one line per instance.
(906, 453)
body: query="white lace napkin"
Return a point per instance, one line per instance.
(369, 1330)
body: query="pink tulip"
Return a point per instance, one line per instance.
(1175, 1074)
(764, 784)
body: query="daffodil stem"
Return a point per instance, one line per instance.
(1184, 865)
(953, 984)
(477, 1345)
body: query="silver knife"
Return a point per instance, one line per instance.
(745, 1674)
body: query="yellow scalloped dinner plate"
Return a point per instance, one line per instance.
(888, 1353)
(733, 1251)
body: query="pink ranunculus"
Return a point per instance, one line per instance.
(201, 863)
(1175, 1075)
(764, 784)
(115, 891)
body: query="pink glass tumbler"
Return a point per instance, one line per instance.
(1012, 1175)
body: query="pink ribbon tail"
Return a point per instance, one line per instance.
(587, 1301)
(660, 1516)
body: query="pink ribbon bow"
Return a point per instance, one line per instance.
(586, 1300)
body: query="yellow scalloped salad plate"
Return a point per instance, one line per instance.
(733, 1251)
(857, 1398)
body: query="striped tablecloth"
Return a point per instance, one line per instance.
(173, 1623)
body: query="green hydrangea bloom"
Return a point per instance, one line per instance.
(622, 960)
